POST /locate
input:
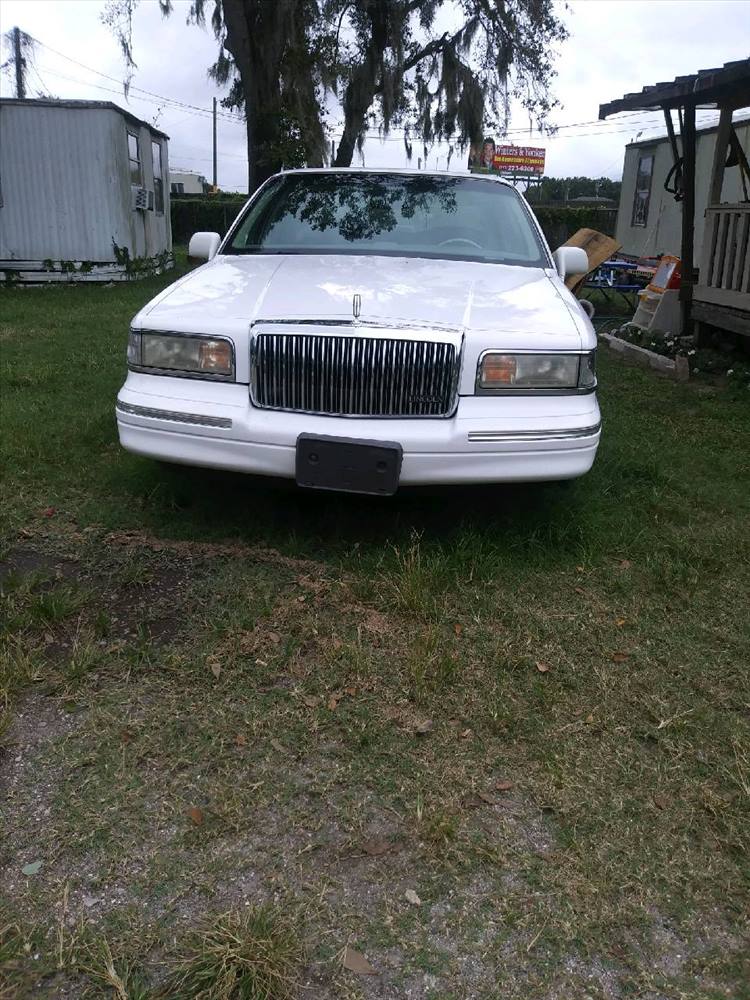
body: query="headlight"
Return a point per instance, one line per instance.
(500, 372)
(210, 357)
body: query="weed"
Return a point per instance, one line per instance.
(250, 955)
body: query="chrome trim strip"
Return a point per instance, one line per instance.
(197, 419)
(556, 435)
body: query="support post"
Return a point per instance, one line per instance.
(720, 156)
(214, 177)
(670, 132)
(688, 216)
(19, 63)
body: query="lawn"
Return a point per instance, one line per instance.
(468, 743)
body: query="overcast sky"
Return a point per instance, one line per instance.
(615, 46)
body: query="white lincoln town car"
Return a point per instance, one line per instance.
(361, 329)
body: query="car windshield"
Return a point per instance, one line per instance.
(408, 215)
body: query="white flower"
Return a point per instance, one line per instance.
(691, 353)
(731, 371)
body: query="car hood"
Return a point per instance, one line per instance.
(231, 293)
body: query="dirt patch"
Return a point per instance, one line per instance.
(192, 548)
(24, 560)
(26, 789)
(117, 608)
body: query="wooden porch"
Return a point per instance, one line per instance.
(722, 295)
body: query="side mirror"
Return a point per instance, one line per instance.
(570, 260)
(203, 246)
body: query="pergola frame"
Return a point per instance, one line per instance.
(726, 89)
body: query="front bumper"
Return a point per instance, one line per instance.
(489, 439)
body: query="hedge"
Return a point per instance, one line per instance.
(196, 215)
(215, 215)
(559, 224)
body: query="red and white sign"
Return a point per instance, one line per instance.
(518, 160)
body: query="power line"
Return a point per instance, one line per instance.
(136, 97)
(161, 97)
(601, 127)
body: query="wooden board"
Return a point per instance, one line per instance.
(598, 248)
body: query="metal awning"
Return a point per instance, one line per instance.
(727, 86)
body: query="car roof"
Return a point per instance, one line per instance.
(398, 172)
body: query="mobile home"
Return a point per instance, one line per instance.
(84, 192)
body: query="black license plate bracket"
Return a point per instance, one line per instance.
(351, 465)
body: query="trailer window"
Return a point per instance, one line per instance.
(158, 178)
(134, 157)
(642, 194)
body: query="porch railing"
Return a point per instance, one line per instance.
(724, 277)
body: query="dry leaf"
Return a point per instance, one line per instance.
(49, 512)
(620, 622)
(215, 666)
(624, 564)
(660, 801)
(579, 590)
(333, 701)
(543, 668)
(336, 643)
(503, 786)
(126, 736)
(274, 637)
(486, 797)
(458, 629)
(589, 719)
(240, 740)
(580, 569)
(376, 846)
(354, 961)
(311, 700)
(302, 598)
(279, 747)
(619, 657)
(423, 727)
(412, 897)
(196, 815)
(351, 690)
(466, 734)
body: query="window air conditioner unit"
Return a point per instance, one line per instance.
(139, 199)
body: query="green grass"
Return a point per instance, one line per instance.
(224, 698)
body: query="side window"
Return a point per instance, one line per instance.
(158, 178)
(134, 158)
(642, 194)
(178, 187)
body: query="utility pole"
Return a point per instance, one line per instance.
(215, 181)
(19, 63)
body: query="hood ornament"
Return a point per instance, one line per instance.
(357, 305)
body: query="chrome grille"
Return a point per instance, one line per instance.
(354, 376)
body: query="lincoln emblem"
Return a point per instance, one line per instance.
(357, 305)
